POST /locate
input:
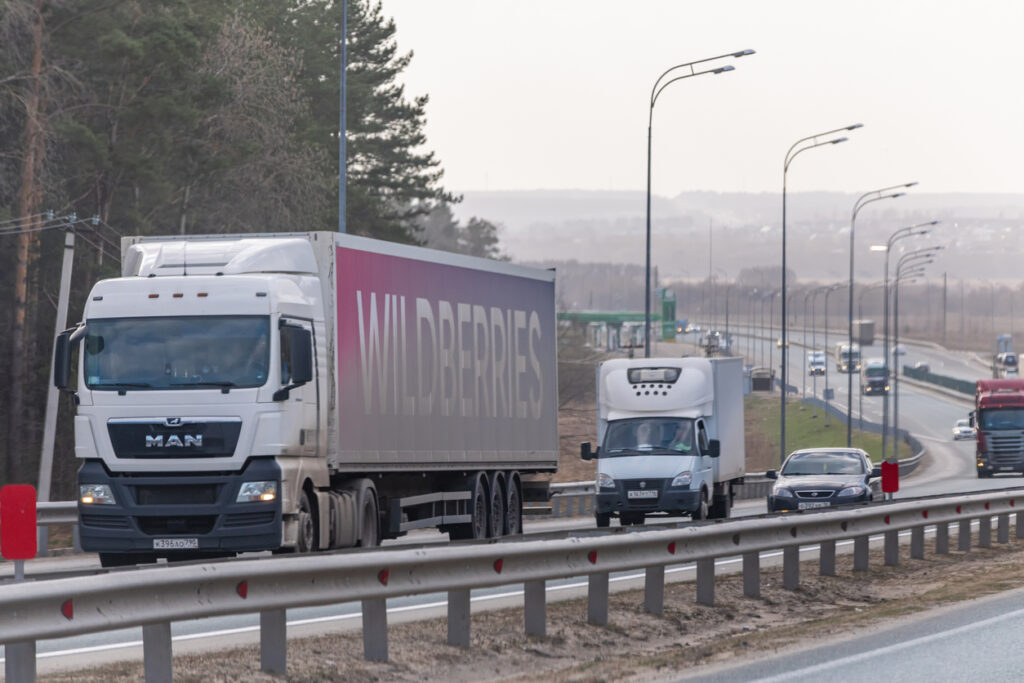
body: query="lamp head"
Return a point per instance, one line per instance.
(911, 184)
(742, 53)
(723, 69)
(894, 195)
(855, 126)
(838, 140)
(934, 223)
(879, 247)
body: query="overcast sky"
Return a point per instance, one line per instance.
(546, 94)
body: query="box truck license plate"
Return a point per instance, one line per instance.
(175, 544)
(811, 506)
(642, 494)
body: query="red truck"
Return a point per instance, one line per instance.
(998, 419)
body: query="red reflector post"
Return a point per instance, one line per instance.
(67, 608)
(890, 477)
(18, 522)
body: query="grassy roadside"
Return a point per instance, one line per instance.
(805, 428)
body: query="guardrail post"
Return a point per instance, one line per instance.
(20, 661)
(791, 567)
(1020, 525)
(556, 506)
(860, 554)
(375, 630)
(963, 541)
(597, 599)
(654, 590)
(942, 538)
(827, 558)
(985, 532)
(458, 618)
(917, 543)
(156, 653)
(706, 581)
(1003, 528)
(752, 574)
(535, 608)
(892, 548)
(76, 539)
(274, 642)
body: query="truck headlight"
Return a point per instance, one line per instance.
(604, 481)
(682, 479)
(96, 494)
(782, 493)
(851, 491)
(257, 491)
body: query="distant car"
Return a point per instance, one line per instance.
(963, 430)
(778, 343)
(823, 477)
(815, 363)
(922, 366)
(899, 350)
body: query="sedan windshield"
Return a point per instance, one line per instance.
(646, 435)
(1002, 418)
(823, 462)
(177, 353)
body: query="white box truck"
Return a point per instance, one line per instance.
(670, 435)
(306, 391)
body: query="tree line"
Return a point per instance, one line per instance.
(189, 117)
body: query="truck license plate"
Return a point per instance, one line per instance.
(642, 494)
(1006, 468)
(811, 506)
(175, 544)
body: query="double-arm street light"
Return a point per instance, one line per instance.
(659, 85)
(797, 148)
(902, 233)
(862, 201)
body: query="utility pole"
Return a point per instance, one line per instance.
(945, 307)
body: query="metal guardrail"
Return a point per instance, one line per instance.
(961, 386)
(154, 599)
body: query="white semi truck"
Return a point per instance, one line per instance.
(671, 439)
(305, 391)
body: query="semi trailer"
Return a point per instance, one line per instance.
(304, 391)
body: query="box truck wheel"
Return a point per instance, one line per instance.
(702, 510)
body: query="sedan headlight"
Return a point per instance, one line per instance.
(604, 481)
(96, 494)
(851, 491)
(682, 479)
(782, 493)
(256, 491)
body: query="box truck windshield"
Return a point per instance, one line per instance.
(649, 435)
(177, 353)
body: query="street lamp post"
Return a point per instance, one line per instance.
(902, 233)
(827, 292)
(797, 148)
(862, 201)
(656, 90)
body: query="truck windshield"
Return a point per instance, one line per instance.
(875, 373)
(665, 435)
(177, 353)
(1002, 418)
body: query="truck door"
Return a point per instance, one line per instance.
(303, 401)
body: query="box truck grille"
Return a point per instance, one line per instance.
(160, 526)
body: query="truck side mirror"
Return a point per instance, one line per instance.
(771, 474)
(299, 344)
(970, 418)
(585, 453)
(62, 349)
(714, 448)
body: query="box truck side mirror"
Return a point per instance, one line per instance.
(586, 453)
(714, 448)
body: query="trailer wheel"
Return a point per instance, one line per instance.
(513, 508)
(368, 536)
(496, 514)
(478, 503)
(307, 540)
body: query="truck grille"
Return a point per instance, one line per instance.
(249, 519)
(162, 526)
(195, 494)
(1005, 449)
(105, 521)
(185, 437)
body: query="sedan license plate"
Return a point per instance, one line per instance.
(175, 544)
(642, 494)
(811, 506)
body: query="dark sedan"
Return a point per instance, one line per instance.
(823, 477)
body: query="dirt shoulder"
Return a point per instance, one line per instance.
(634, 645)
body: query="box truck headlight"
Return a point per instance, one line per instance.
(256, 491)
(782, 493)
(851, 491)
(604, 481)
(682, 479)
(96, 494)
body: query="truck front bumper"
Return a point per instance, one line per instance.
(1001, 464)
(176, 514)
(671, 501)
